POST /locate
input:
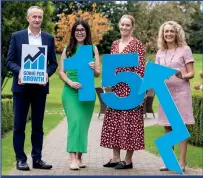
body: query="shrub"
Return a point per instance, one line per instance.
(7, 115)
(6, 96)
(196, 129)
(198, 85)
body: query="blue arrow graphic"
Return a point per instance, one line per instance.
(154, 78)
(29, 57)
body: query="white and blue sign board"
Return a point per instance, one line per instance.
(34, 64)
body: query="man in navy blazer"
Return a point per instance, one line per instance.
(26, 95)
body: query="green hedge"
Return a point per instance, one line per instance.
(196, 129)
(7, 115)
(6, 96)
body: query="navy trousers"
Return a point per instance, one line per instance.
(21, 103)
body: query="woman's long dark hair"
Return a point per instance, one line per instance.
(71, 48)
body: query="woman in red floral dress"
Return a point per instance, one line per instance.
(124, 129)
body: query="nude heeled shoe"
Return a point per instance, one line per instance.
(82, 165)
(74, 166)
(166, 169)
(183, 168)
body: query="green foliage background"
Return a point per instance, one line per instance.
(149, 15)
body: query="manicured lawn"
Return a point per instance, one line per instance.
(194, 154)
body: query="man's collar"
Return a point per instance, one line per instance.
(30, 33)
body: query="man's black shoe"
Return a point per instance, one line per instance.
(41, 165)
(22, 165)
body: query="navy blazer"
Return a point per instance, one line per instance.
(13, 61)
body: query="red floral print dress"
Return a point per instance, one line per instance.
(124, 129)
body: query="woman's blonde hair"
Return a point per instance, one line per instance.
(129, 17)
(179, 35)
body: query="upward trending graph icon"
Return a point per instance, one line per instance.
(36, 62)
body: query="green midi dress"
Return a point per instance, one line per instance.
(79, 116)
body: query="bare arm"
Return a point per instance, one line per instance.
(62, 73)
(189, 60)
(97, 63)
(190, 72)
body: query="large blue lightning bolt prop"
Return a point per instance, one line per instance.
(154, 78)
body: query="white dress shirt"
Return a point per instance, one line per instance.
(34, 40)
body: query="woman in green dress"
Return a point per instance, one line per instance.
(78, 113)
